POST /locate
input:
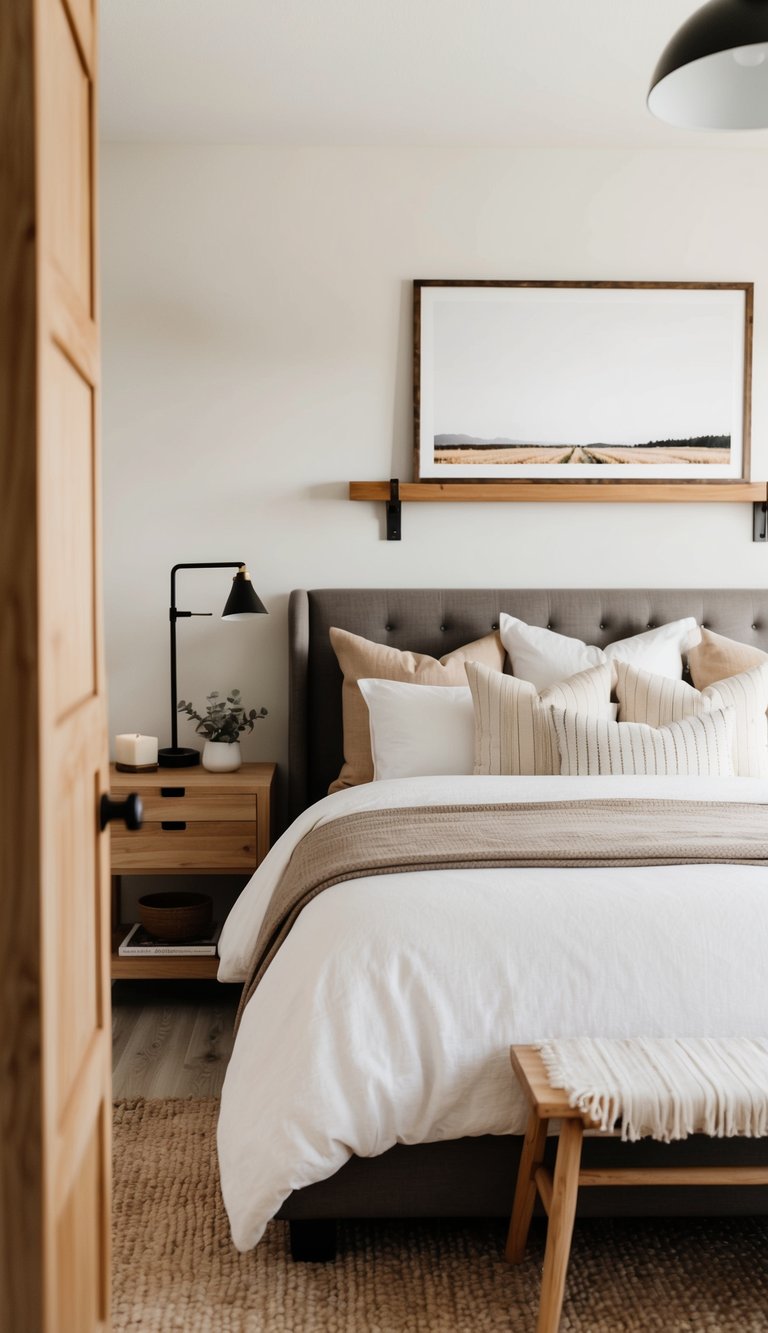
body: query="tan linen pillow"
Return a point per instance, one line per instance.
(716, 658)
(696, 747)
(656, 701)
(513, 723)
(360, 658)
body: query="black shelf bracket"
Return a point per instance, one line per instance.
(394, 511)
(760, 521)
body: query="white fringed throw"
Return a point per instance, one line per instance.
(665, 1087)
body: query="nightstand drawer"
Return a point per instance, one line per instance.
(193, 807)
(200, 847)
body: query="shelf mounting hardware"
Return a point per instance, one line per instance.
(394, 511)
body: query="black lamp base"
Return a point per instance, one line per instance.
(178, 756)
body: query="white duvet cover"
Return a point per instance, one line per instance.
(387, 1015)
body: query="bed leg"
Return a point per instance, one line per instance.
(313, 1241)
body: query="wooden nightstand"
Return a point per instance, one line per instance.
(195, 823)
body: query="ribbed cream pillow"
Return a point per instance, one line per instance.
(696, 747)
(513, 725)
(657, 701)
(359, 657)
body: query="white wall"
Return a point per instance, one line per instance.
(257, 352)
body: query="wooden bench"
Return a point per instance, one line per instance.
(558, 1190)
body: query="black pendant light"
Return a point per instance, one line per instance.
(713, 74)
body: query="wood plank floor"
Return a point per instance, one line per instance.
(171, 1038)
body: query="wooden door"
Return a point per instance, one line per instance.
(55, 1076)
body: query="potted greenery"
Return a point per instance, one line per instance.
(224, 720)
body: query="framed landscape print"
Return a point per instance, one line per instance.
(578, 381)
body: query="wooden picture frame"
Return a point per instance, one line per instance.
(606, 389)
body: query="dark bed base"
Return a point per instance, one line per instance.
(475, 1177)
(313, 1242)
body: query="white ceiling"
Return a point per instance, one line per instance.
(389, 72)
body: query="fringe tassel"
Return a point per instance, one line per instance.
(665, 1088)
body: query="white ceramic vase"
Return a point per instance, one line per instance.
(221, 756)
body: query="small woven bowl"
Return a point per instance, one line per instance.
(176, 917)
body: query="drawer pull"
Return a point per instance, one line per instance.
(171, 824)
(173, 791)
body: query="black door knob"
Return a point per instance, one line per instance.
(130, 810)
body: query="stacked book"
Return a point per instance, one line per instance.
(138, 943)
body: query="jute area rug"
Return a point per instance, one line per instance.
(176, 1268)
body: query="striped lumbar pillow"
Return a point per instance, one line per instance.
(513, 726)
(695, 747)
(656, 701)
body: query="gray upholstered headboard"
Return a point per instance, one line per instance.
(435, 621)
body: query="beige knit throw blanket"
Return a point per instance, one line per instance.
(618, 832)
(665, 1087)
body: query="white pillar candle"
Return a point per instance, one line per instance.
(135, 750)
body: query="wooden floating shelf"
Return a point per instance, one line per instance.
(549, 492)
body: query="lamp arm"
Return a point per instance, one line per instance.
(173, 615)
(215, 564)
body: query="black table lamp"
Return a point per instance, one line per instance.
(241, 604)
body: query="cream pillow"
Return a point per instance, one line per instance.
(513, 724)
(419, 730)
(543, 657)
(360, 657)
(655, 701)
(695, 747)
(716, 658)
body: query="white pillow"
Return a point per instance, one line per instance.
(543, 657)
(656, 701)
(696, 747)
(513, 723)
(419, 730)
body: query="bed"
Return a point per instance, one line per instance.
(460, 1174)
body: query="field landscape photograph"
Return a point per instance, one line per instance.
(540, 381)
(458, 449)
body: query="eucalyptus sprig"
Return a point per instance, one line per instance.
(225, 718)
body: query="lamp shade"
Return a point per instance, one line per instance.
(713, 74)
(242, 601)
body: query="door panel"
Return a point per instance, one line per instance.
(68, 549)
(66, 102)
(83, 16)
(79, 1242)
(74, 912)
